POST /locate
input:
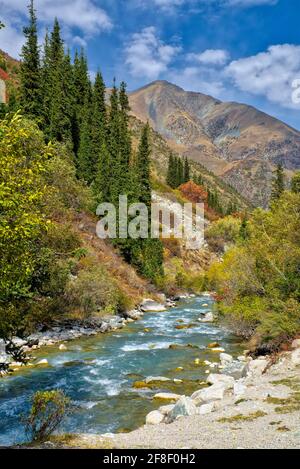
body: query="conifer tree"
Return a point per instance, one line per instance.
(60, 126)
(143, 168)
(101, 185)
(113, 142)
(179, 172)
(186, 177)
(85, 161)
(81, 87)
(30, 72)
(278, 183)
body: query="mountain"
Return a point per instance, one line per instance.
(236, 142)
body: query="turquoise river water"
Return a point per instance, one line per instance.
(99, 373)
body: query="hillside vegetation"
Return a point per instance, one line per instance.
(258, 280)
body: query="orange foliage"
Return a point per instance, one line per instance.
(193, 192)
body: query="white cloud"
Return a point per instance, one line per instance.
(84, 16)
(200, 80)
(210, 57)
(269, 74)
(147, 55)
(11, 40)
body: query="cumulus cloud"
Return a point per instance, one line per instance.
(147, 55)
(211, 57)
(82, 14)
(270, 73)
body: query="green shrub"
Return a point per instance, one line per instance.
(47, 412)
(93, 291)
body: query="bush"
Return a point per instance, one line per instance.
(222, 232)
(47, 412)
(93, 291)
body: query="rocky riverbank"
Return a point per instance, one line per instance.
(260, 409)
(250, 404)
(19, 350)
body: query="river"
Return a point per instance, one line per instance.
(99, 373)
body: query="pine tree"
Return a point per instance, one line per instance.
(113, 142)
(124, 141)
(85, 161)
(179, 172)
(82, 87)
(60, 126)
(101, 185)
(143, 168)
(186, 176)
(30, 72)
(278, 183)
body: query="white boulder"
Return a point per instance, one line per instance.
(239, 389)
(295, 357)
(167, 396)
(228, 381)
(208, 317)
(255, 367)
(184, 407)
(152, 306)
(296, 343)
(166, 409)
(62, 347)
(154, 418)
(213, 393)
(225, 359)
(206, 408)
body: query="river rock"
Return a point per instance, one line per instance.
(296, 343)
(62, 347)
(133, 314)
(213, 393)
(234, 369)
(18, 342)
(153, 379)
(239, 389)
(256, 367)
(184, 407)
(225, 359)
(152, 306)
(44, 362)
(166, 409)
(219, 378)
(295, 357)
(167, 396)
(208, 317)
(206, 408)
(154, 418)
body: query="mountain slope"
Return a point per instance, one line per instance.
(234, 141)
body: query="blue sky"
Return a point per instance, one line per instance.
(235, 50)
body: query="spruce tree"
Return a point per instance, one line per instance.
(85, 162)
(81, 87)
(278, 183)
(179, 172)
(186, 177)
(143, 168)
(113, 143)
(60, 126)
(101, 185)
(30, 72)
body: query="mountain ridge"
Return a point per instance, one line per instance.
(237, 142)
